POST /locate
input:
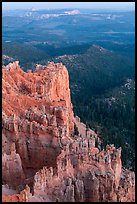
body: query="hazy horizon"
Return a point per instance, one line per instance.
(129, 6)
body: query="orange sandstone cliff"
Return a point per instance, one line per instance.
(42, 158)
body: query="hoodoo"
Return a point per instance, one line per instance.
(42, 158)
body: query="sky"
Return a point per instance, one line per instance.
(60, 5)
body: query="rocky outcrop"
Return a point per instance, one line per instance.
(37, 114)
(23, 196)
(13, 173)
(42, 154)
(93, 179)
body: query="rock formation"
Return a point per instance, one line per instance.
(43, 160)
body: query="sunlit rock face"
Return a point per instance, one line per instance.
(37, 115)
(43, 159)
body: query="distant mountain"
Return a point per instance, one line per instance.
(67, 26)
(97, 70)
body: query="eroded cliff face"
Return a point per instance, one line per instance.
(43, 160)
(37, 114)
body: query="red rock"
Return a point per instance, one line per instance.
(40, 149)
